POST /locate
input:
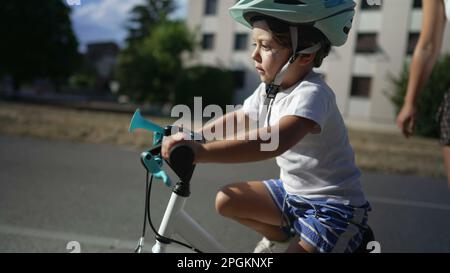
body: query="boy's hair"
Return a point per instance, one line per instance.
(308, 36)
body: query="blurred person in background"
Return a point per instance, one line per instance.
(426, 54)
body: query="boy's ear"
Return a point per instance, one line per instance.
(305, 59)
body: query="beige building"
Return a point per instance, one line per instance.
(381, 41)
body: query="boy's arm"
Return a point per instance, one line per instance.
(238, 118)
(289, 131)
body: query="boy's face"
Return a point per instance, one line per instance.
(269, 56)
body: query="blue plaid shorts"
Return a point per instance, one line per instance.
(326, 225)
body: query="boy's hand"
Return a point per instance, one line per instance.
(180, 138)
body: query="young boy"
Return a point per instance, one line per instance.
(317, 204)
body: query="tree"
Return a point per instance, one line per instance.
(148, 71)
(147, 16)
(37, 41)
(430, 97)
(212, 84)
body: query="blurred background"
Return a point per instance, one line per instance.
(72, 72)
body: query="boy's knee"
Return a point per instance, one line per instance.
(224, 203)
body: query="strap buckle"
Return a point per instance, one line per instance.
(272, 91)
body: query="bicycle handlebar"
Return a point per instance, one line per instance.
(181, 157)
(181, 160)
(178, 153)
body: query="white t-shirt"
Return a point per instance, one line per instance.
(322, 164)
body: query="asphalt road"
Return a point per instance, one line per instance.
(54, 192)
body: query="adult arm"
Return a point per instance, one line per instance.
(425, 57)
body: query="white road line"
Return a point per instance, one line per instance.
(407, 203)
(110, 243)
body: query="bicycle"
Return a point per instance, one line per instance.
(176, 220)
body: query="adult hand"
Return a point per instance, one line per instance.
(184, 139)
(406, 119)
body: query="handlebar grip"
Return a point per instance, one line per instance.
(181, 159)
(181, 154)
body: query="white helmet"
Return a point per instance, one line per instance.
(332, 17)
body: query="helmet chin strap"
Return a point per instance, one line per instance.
(294, 38)
(273, 88)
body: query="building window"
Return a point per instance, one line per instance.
(371, 4)
(239, 78)
(366, 43)
(417, 4)
(361, 87)
(241, 41)
(208, 41)
(413, 38)
(210, 7)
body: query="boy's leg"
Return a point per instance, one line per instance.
(251, 204)
(297, 246)
(271, 232)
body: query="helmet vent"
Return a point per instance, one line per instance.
(346, 30)
(289, 2)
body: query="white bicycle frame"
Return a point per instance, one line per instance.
(177, 221)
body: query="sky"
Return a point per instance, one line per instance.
(104, 20)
